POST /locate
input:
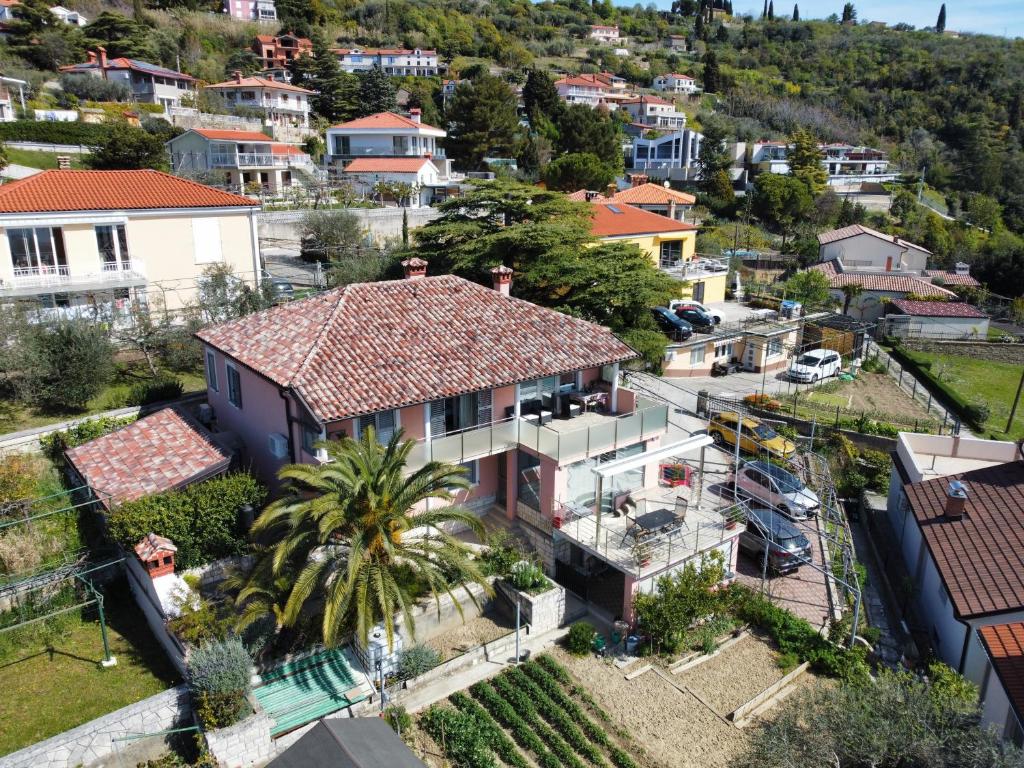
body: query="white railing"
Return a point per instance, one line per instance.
(258, 160)
(30, 277)
(694, 268)
(42, 275)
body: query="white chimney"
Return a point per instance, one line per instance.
(502, 277)
(416, 114)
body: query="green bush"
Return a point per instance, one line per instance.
(219, 680)
(528, 577)
(462, 737)
(398, 718)
(155, 391)
(580, 638)
(202, 520)
(501, 554)
(417, 660)
(88, 134)
(56, 443)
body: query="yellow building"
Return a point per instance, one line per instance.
(670, 244)
(78, 241)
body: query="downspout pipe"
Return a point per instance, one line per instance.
(289, 420)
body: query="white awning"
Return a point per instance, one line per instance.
(680, 448)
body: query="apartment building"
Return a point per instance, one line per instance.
(275, 51)
(283, 103)
(147, 83)
(675, 83)
(604, 33)
(602, 88)
(251, 10)
(394, 61)
(654, 112)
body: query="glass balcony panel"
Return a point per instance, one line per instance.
(529, 434)
(447, 449)
(574, 443)
(418, 456)
(602, 436)
(547, 443)
(505, 434)
(628, 429)
(655, 420)
(476, 443)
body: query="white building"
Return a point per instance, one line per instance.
(394, 61)
(655, 112)
(74, 18)
(675, 83)
(385, 134)
(672, 156)
(955, 511)
(846, 165)
(602, 88)
(423, 178)
(862, 249)
(147, 83)
(244, 160)
(8, 103)
(604, 33)
(284, 104)
(934, 320)
(251, 10)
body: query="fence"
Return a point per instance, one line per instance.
(909, 384)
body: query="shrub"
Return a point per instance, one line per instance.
(18, 477)
(398, 718)
(218, 678)
(155, 390)
(56, 443)
(767, 402)
(94, 88)
(977, 413)
(461, 736)
(528, 577)
(204, 622)
(63, 365)
(88, 134)
(501, 554)
(202, 519)
(417, 660)
(580, 638)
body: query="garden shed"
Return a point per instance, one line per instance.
(349, 742)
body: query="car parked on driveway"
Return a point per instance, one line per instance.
(776, 488)
(689, 303)
(674, 327)
(815, 365)
(787, 546)
(755, 436)
(698, 318)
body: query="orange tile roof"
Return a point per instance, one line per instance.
(368, 347)
(653, 194)
(285, 149)
(649, 100)
(160, 452)
(385, 51)
(384, 120)
(585, 196)
(615, 219)
(386, 165)
(230, 134)
(1005, 646)
(677, 76)
(260, 82)
(52, 191)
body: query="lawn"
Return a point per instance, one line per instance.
(51, 687)
(41, 160)
(981, 381)
(15, 416)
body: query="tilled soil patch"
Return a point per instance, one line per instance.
(735, 676)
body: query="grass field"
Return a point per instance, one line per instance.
(981, 381)
(41, 160)
(52, 681)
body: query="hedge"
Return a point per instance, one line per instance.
(55, 443)
(202, 520)
(46, 132)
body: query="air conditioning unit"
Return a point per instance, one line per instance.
(278, 445)
(206, 414)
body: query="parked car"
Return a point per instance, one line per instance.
(787, 547)
(776, 488)
(698, 318)
(674, 327)
(689, 303)
(281, 290)
(755, 436)
(815, 365)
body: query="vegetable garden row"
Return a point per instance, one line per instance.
(536, 703)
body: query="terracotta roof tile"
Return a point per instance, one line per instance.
(260, 82)
(859, 229)
(653, 194)
(938, 309)
(157, 453)
(374, 346)
(384, 120)
(231, 134)
(585, 196)
(52, 191)
(950, 278)
(386, 165)
(979, 557)
(385, 51)
(614, 219)
(1005, 646)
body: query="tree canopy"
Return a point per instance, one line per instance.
(482, 122)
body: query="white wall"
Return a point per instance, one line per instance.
(867, 248)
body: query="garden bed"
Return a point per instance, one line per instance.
(474, 633)
(716, 680)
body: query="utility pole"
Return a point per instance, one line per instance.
(1016, 400)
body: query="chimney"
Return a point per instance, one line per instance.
(156, 553)
(415, 268)
(91, 57)
(237, 74)
(638, 179)
(415, 114)
(103, 56)
(611, 190)
(502, 277)
(956, 500)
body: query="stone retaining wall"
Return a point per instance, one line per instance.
(243, 744)
(543, 612)
(94, 742)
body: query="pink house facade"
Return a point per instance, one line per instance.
(528, 400)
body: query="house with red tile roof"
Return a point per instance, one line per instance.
(147, 83)
(96, 243)
(675, 83)
(605, 33)
(934, 320)
(1003, 691)
(243, 161)
(399, 62)
(656, 198)
(282, 103)
(877, 289)
(601, 88)
(956, 514)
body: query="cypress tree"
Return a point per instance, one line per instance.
(940, 25)
(764, 13)
(712, 76)
(796, 12)
(771, 10)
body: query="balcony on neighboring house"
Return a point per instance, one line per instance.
(258, 160)
(691, 269)
(27, 281)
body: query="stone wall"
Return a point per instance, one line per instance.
(380, 223)
(94, 742)
(543, 612)
(977, 350)
(243, 744)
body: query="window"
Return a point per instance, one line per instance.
(248, 95)
(472, 471)
(342, 145)
(384, 424)
(774, 347)
(112, 241)
(234, 386)
(310, 437)
(211, 371)
(38, 251)
(671, 253)
(723, 350)
(697, 355)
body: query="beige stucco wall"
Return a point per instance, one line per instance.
(874, 250)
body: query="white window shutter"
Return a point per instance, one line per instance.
(206, 241)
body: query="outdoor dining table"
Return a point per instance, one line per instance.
(589, 400)
(656, 521)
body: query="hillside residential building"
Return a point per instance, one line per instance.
(677, 43)
(420, 177)
(759, 347)
(283, 104)
(956, 514)
(526, 399)
(9, 103)
(147, 83)
(74, 18)
(675, 83)
(602, 88)
(604, 33)
(847, 165)
(6, 15)
(245, 160)
(1003, 690)
(670, 156)
(656, 198)
(877, 289)
(861, 249)
(250, 10)
(394, 61)
(99, 242)
(277, 50)
(934, 320)
(655, 112)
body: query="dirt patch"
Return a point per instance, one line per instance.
(879, 393)
(474, 633)
(426, 749)
(734, 676)
(673, 727)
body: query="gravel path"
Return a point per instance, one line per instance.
(735, 676)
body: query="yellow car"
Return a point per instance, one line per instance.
(755, 437)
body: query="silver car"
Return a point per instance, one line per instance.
(776, 488)
(787, 546)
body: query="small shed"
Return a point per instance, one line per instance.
(935, 320)
(349, 742)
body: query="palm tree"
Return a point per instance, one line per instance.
(345, 532)
(850, 292)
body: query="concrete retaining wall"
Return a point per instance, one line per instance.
(380, 223)
(431, 620)
(93, 742)
(977, 350)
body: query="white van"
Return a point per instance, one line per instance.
(815, 365)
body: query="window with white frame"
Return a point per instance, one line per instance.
(723, 350)
(774, 347)
(206, 241)
(234, 386)
(697, 355)
(211, 371)
(671, 253)
(37, 251)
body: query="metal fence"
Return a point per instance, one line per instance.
(950, 422)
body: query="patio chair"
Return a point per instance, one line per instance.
(681, 505)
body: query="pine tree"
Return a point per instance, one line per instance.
(482, 122)
(337, 95)
(376, 92)
(940, 25)
(796, 12)
(712, 75)
(540, 97)
(771, 10)
(849, 13)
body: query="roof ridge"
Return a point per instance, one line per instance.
(343, 292)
